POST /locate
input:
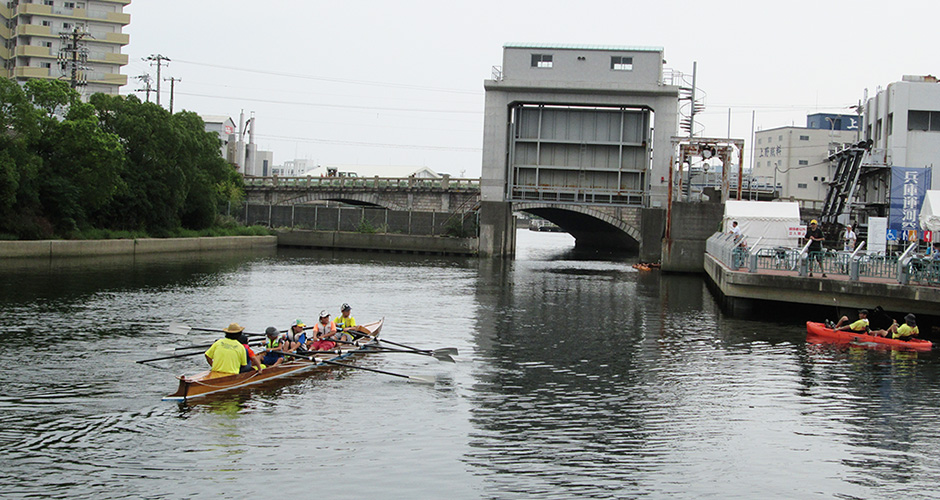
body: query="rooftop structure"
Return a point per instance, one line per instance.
(50, 38)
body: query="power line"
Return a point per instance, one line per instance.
(334, 80)
(338, 106)
(372, 144)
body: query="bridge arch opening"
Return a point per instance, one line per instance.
(590, 231)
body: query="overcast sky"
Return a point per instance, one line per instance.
(401, 82)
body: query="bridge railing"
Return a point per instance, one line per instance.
(358, 219)
(304, 182)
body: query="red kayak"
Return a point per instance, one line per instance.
(818, 333)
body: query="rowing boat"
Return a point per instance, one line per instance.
(208, 382)
(819, 333)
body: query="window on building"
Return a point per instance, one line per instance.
(46, 23)
(804, 137)
(541, 60)
(801, 185)
(918, 120)
(47, 2)
(67, 26)
(879, 125)
(45, 65)
(890, 123)
(759, 141)
(780, 138)
(47, 44)
(69, 5)
(804, 162)
(620, 63)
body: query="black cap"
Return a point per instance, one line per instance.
(271, 331)
(863, 311)
(243, 339)
(910, 319)
(345, 307)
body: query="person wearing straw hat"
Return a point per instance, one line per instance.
(228, 355)
(904, 332)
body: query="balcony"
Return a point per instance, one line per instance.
(33, 51)
(28, 72)
(34, 30)
(106, 78)
(119, 38)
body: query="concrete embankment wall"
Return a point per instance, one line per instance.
(692, 224)
(376, 241)
(90, 248)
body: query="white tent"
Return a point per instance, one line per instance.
(930, 211)
(773, 223)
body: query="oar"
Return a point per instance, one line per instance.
(443, 354)
(378, 350)
(183, 329)
(171, 357)
(448, 350)
(416, 378)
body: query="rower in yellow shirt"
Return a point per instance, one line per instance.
(345, 322)
(228, 355)
(904, 332)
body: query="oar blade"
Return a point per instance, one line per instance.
(179, 328)
(422, 379)
(450, 351)
(443, 357)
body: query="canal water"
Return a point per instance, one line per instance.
(578, 377)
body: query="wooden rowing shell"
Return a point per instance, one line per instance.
(208, 382)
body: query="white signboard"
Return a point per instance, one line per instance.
(877, 234)
(796, 231)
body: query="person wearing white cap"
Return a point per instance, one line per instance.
(849, 238)
(321, 332)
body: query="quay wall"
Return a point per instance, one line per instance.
(92, 248)
(399, 243)
(742, 291)
(691, 225)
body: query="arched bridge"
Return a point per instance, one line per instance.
(593, 226)
(394, 193)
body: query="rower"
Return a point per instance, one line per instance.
(346, 323)
(274, 347)
(228, 355)
(296, 337)
(254, 359)
(860, 326)
(323, 331)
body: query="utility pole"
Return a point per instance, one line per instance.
(158, 59)
(172, 90)
(73, 55)
(146, 79)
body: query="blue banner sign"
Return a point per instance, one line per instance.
(908, 186)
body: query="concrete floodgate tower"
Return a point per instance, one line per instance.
(580, 135)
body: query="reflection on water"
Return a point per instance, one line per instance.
(578, 376)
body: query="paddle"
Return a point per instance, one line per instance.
(442, 354)
(182, 355)
(416, 378)
(378, 350)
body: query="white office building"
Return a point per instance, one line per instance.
(796, 157)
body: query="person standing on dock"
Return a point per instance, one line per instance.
(228, 355)
(849, 239)
(815, 235)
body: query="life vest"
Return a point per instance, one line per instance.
(321, 329)
(273, 344)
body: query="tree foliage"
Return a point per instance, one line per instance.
(112, 163)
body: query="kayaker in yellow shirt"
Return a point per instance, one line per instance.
(228, 355)
(904, 332)
(860, 326)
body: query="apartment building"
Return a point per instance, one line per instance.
(796, 157)
(36, 37)
(903, 122)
